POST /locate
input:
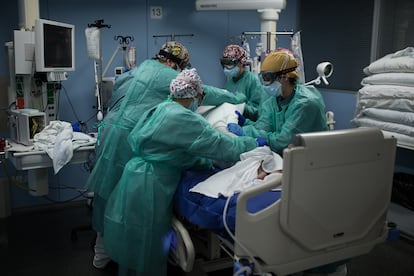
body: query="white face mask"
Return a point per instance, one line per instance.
(273, 89)
(230, 73)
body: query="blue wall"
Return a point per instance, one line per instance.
(212, 32)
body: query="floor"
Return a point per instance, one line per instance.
(38, 242)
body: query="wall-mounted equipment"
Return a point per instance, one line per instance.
(216, 5)
(324, 70)
(54, 48)
(24, 124)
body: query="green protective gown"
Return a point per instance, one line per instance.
(217, 96)
(134, 93)
(279, 120)
(249, 84)
(148, 86)
(166, 141)
(119, 90)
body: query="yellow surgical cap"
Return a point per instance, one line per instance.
(281, 62)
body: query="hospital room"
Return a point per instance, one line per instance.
(207, 137)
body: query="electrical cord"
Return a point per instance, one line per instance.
(257, 265)
(71, 105)
(68, 200)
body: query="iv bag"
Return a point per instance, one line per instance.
(131, 57)
(93, 38)
(297, 53)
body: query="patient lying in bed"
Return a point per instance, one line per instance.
(201, 196)
(254, 167)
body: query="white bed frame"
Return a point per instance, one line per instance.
(336, 191)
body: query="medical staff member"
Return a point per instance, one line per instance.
(168, 139)
(293, 108)
(134, 93)
(234, 60)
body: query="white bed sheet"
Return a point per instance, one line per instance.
(387, 126)
(382, 91)
(59, 141)
(220, 116)
(400, 61)
(241, 175)
(392, 116)
(404, 105)
(403, 79)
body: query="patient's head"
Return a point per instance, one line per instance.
(267, 166)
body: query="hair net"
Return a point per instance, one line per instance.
(235, 52)
(281, 62)
(187, 84)
(176, 52)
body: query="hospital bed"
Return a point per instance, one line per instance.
(336, 188)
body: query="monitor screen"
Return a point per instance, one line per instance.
(54, 46)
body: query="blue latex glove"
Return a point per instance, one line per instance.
(261, 141)
(235, 128)
(241, 118)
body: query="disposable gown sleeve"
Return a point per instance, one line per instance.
(202, 164)
(298, 120)
(200, 140)
(264, 124)
(217, 96)
(215, 145)
(174, 134)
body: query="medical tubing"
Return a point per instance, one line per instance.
(68, 200)
(234, 237)
(242, 270)
(71, 105)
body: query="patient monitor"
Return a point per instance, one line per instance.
(336, 190)
(25, 124)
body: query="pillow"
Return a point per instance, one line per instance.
(402, 79)
(220, 116)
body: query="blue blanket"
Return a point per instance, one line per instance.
(207, 212)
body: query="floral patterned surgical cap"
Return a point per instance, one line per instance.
(187, 84)
(236, 52)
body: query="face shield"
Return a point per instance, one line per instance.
(267, 78)
(229, 63)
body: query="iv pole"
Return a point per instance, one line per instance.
(123, 42)
(172, 36)
(257, 60)
(98, 68)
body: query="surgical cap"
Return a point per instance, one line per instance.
(187, 84)
(235, 52)
(281, 62)
(176, 52)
